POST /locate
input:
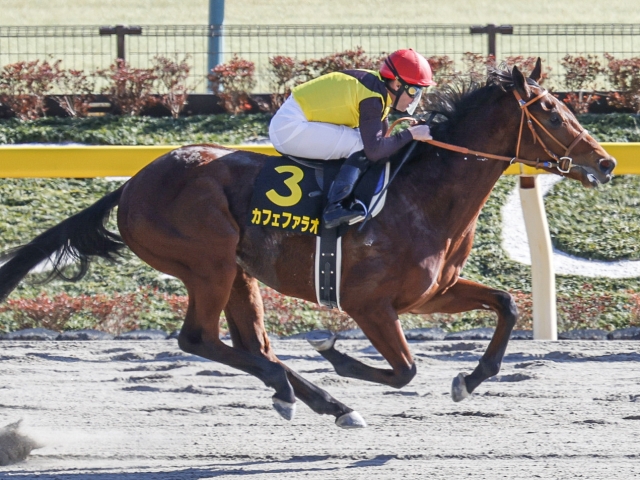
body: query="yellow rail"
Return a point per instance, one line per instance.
(627, 154)
(17, 161)
(124, 161)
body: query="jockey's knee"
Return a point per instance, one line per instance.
(358, 160)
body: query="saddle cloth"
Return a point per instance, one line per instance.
(290, 194)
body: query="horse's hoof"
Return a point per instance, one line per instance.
(459, 388)
(321, 340)
(285, 409)
(351, 420)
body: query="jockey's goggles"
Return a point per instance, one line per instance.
(411, 90)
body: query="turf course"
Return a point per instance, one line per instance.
(600, 223)
(253, 12)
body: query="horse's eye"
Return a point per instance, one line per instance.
(555, 120)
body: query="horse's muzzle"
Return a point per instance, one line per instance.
(594, 176)
(607, 165)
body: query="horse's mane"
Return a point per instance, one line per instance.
(462, 96)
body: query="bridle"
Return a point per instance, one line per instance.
(564, 163)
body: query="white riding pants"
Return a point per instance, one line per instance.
(292, 134)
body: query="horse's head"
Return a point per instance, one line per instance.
(550, 133)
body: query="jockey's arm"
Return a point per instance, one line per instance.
(373, 129)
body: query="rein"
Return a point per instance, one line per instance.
(563, 163)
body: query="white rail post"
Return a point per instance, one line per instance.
(543, 279)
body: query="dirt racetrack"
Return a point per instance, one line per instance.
(145, 411)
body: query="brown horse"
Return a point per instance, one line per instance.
(186, 214)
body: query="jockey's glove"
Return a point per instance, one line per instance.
(420, 132)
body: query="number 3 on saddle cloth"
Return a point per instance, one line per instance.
(291, 193)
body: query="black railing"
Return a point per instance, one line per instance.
(82, 47)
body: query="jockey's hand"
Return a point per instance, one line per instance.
(420, 132)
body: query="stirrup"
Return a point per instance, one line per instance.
(344, 215)
(358, 203)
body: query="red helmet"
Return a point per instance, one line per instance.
(411, 68)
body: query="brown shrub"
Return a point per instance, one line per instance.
(233, 82)
(23, 86)
(130, 89)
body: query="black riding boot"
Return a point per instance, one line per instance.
(336, 213)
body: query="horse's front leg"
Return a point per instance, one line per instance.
(379, 322)
(463, 297)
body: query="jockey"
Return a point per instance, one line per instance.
(344, 115)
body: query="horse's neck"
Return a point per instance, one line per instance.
(462, 179)
(460, 185)
(493, 130)
(461, 190)
(451, 188)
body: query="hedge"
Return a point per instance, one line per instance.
(132, 294)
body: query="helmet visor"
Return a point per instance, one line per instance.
(415, 102)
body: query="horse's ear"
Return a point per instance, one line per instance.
(520, 83)
(537, 71)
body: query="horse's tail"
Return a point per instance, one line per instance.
(79, 238)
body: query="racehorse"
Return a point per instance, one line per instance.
(186, 214)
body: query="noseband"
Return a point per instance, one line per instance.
(564, 163)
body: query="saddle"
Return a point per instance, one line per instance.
(290, 194)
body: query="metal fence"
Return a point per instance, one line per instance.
(553, 42)
(83, 47)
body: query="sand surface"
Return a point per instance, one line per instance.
(146, 411)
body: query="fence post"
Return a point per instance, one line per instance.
(216, 19)
(543, 278)
(120, 31)
(491, 30)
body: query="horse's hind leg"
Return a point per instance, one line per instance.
(200, 336)
(245, 316)
(178, 220)
(381, 326)
(463, 297)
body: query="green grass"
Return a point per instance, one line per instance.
(597, 224)
(97, 12)
(613, 127)
(115, 130)
(600, 223)
(254, 12)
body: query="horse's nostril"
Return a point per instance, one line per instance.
(607, 164)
